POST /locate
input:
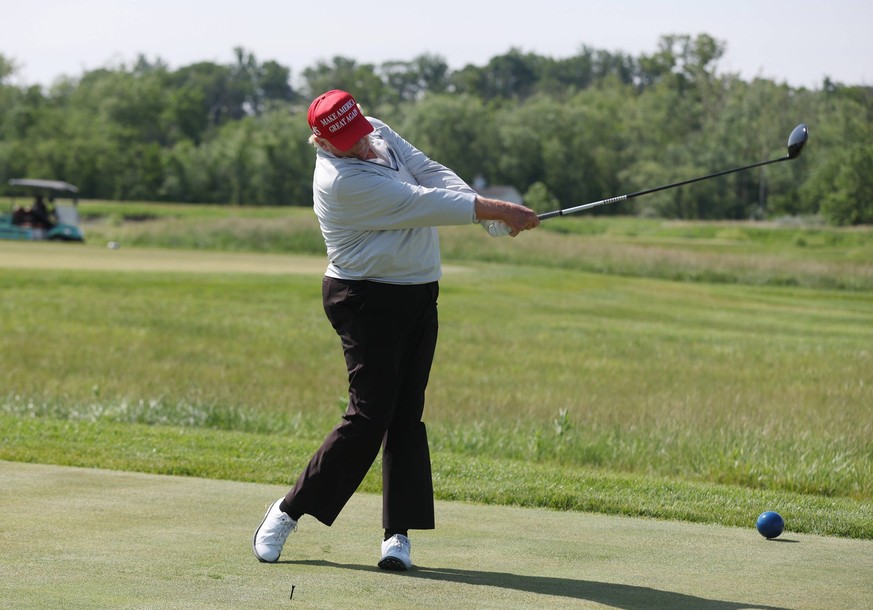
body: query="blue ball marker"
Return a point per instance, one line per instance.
(770, 524)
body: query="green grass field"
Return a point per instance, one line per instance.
(693, 374)
(132, 540)
(648, 393)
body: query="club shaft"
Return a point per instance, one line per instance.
(594, 204)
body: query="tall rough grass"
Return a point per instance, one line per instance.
(775, 253)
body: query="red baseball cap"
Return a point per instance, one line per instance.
(335, 116)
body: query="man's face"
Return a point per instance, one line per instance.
(360, 150)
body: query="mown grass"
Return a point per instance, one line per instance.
(209, 227)
(787, 252)
(275, 459)
(728, 253)
(743, 392)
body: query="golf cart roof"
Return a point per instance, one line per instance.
(53, 185)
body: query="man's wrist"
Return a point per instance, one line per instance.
(487, 209)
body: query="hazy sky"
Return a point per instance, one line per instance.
(795, 41)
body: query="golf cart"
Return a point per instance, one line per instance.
(46, 218)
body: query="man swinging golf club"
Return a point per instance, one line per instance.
(378, 201)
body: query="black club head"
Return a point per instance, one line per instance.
(796, 140)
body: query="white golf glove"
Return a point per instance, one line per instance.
(496, 228)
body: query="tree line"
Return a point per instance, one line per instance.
(561, 131)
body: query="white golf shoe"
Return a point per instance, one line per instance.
(395, 553)
(271, 534)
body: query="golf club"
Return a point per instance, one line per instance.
(796, 141)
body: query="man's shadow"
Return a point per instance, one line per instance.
(628, 597)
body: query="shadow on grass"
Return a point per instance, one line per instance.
(627, 597)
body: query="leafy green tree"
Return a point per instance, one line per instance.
(539, 199)
(263, 160)
(221, 101)
(408, 81)
(753, 125)
(8, 97)
(191, 174)
(8, 67)
(185, 116)
(469, 80)
(562, 131)
(513, 75)
(519, 136)
(844, 186)
(840, 120)
(282, 172)
(562, 76)
(452, 129)
(614, 66)
(574, 145)
(274, 84)
(253, 86)
(654, 68)
(433, 73)
(402, 79)
(361, 80)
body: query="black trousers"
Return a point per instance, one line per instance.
(388, 334)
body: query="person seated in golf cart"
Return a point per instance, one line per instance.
(19, 215)
(39, 214)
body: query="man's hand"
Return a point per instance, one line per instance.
(517, 217)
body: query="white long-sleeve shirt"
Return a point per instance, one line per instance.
(379, 217)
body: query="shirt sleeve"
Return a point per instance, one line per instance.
(370, 201)
(425, 170)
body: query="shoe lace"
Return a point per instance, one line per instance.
(285, 526)
(399, 542)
